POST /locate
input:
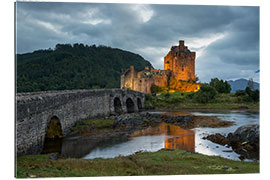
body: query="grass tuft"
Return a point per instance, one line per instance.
(95, 123)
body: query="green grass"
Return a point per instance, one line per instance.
(163, 162)
(96, 123)
(217, 106)
(177, 100)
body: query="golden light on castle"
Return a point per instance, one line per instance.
(178, 74)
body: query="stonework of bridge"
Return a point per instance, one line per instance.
(36, 110)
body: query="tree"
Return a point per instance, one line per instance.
(254, 95)
(74, 66)
(220, 85)
(205, 94)
(248, 90)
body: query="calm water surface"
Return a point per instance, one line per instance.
(164, 136)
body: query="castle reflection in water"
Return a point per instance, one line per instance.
(168, 136)
(176, 137)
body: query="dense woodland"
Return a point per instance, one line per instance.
(74, 66)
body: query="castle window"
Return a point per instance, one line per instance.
(182, 67)
(140, 81)
(168, 62)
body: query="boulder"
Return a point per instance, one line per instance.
(248, 133)
(245, 138)
(244, 141)
(217, 138)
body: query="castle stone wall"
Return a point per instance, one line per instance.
(179, 65)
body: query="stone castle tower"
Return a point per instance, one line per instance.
(181, 62)
(178, 74)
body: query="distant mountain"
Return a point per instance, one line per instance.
(74, 66)
(241, 84)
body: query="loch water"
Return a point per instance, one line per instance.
(161, 136)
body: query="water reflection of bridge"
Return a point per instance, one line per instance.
(177, 137)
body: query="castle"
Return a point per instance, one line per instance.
(178, 74)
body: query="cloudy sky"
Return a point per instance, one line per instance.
(225, 38)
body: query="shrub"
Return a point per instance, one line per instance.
(156, 89)
(174, 100)
(240, 93)
(205, 94)
(248, 95)
(149, 100)
(148, 97)
(190, 95)
(243, 99)
(255, 95)
(167, 95)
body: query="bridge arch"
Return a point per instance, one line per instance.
(139, 104)
(117, 105)
(130, 105)
(53, 135)
(54, 128)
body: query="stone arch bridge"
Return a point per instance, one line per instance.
(34, 112)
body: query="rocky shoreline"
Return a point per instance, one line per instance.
(244, 141)
(134, 121)
(186, 121)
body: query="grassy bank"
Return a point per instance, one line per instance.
(179, 101)
(89, 125)
(95, 123)
(163, 162)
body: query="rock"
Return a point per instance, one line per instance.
(149, 107)
(248, 133)
(134, 119)
(227, 151)
(217, 138)
(128, 120)
(243, 107)
(54, 156)
(244, 141)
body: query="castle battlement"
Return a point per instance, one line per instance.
(181, 48)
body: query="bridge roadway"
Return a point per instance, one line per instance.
(35, 111)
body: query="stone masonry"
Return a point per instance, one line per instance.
(35, 110)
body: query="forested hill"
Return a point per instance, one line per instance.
(74, 66)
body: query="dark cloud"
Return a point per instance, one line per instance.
(228, 36)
